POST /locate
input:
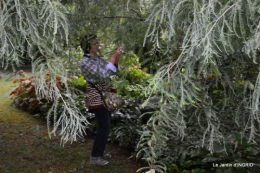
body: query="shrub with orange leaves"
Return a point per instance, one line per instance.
(24, 95)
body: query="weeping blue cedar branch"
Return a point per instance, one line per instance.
(34, 30)
(204, 32)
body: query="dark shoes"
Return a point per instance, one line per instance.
(107, 156)
(100, 160)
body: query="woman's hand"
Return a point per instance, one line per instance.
(116, 55)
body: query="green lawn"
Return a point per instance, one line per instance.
(25, 146)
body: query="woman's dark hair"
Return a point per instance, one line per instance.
(86, 41)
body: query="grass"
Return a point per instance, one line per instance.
(25, 146)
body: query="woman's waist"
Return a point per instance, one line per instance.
(102, 87)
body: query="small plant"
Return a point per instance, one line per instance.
(238, 151)
(24, 95)
(79, 82)
(22, 73)
(183, 158)
(127, 125)
(131, 80)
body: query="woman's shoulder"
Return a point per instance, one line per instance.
(88, 58)
(87, 55)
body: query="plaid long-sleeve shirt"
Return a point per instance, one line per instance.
(98, 72)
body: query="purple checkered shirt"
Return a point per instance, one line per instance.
(96, 70)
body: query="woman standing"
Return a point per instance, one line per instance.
(97, 73)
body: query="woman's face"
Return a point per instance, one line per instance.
(94, 47)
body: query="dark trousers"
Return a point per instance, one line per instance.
(103, 118)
